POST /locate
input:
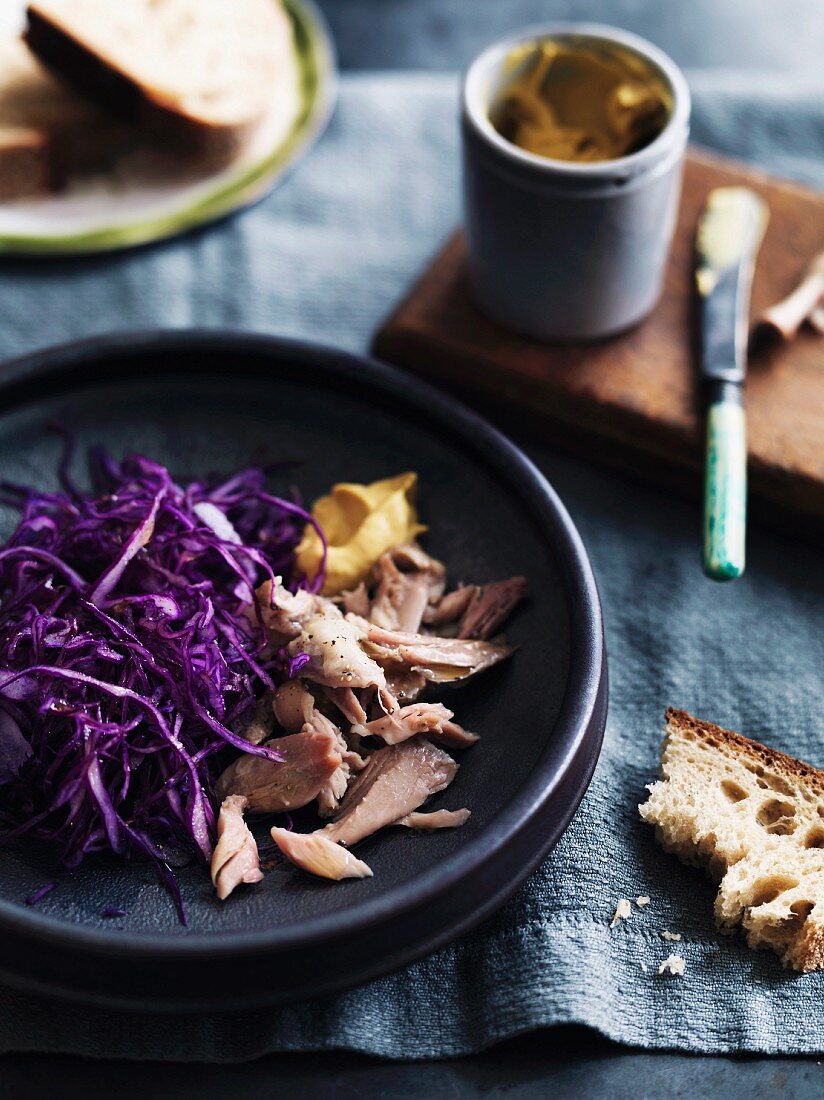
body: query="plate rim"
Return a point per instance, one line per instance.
(583, 703)
(319, 92)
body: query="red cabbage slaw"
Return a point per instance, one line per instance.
(130, 657)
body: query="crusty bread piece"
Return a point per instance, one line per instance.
(198, 74)
(45, 131)
(24, 163)
(755, 819)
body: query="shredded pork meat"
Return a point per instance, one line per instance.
(395, 781)
(319, 855)
(346, 701)
(490, 606)
(235, 859)
(408, 580)
(371, 655)
(433, 720)
(401, 598)
(435, 819)
(440, 660)
(450, 607)
(334, 788)
(293, 705)
(308, 760)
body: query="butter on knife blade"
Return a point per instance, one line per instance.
(731, 225)
(729, 235)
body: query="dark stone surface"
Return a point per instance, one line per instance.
(566, 1063)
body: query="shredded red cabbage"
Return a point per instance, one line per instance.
(40, 893)
(129, 658)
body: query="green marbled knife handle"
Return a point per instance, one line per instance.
(725, 491)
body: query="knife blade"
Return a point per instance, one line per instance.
(730, 231)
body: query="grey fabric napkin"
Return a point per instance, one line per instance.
(325, 257)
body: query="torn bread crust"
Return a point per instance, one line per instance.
(754, 818)
(47, 135)
(25, 163)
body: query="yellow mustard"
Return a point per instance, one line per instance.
(580, 100)
(360, 522)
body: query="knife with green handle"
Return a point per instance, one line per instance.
(729, 235)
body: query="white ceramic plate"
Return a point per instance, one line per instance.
(145, 199)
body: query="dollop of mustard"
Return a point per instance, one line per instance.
(361, 522)
(580, 100)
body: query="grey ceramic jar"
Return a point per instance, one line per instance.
(565, 251)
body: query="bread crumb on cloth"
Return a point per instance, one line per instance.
(672, 936)
(623, 910)
(674, 965)
(642, 901)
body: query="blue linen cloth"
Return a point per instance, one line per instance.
(326, 257)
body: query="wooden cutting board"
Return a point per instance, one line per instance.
(633, 401)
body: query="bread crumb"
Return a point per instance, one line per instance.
(672, 936)
(622, 910)
(644, 967)
(642, 901)
(673, 964)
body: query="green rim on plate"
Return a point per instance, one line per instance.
(317, 91)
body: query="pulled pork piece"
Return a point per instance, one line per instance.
(283, 612)
(293, 705)
(334, 788)
(441, 660)
(395, 781)
(347, 703)
(400, 599)
(309, 624)
(432, 719)
(450, 607)
(262, 723)
(408, 581)
(490, 606)
(357, 601)
(235, 858)
(336, 658)
(456, 737)
(308, 761)
(436, 819)
(412, 557)
(405, 684)
(320, 856)
(480, 609)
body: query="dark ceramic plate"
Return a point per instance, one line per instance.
(202, 402)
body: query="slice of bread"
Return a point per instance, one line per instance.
(200, 75)
(25, 170)
(754, 818)
(46, 132)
